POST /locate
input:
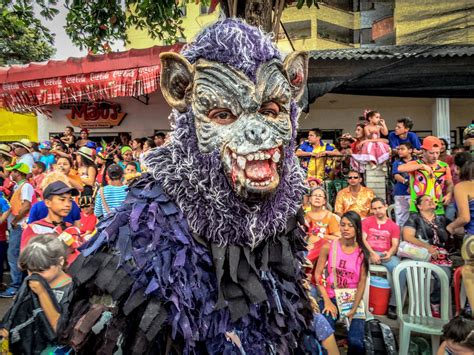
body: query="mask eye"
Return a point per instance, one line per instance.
(221, 116)
(270, 109)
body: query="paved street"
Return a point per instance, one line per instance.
(4, 304)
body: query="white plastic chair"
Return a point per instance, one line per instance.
(390, 212)
(419, 318)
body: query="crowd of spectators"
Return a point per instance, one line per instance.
(431, 192)
(63, 187)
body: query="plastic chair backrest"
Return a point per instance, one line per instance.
(391, 212)
(418, 275)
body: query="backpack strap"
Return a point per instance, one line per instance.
(104, 203)
(333, 263)
(389, 339)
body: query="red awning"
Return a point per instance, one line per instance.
(29, 88)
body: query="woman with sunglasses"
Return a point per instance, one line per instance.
(323, 225)
(355, 197)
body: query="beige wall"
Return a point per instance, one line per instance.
(333, 111)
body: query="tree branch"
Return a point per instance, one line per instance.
(279, 6)
(235, 7)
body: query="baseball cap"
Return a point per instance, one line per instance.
(59, 188)
(115, 172)
(45, 145)
(21, 167)
(430, 142)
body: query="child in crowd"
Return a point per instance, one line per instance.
(356, 147)
(401, 189)
(88, 218)
(374, 149)
(4, 212)
(402, 134)
(38, 175)
(112, 195)
(458, 337)
(347, 262)
(29, 331)
(47, 158)
(130, 173)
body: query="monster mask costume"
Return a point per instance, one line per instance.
(205, 255)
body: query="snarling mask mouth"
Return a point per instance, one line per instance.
(256, 173)
(247, 122)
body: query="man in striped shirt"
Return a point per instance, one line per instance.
(112, 195)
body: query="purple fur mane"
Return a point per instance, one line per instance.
(197, 182)
(199, 186)
(234, 43)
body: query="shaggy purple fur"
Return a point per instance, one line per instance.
(234, 43)
(197, 183)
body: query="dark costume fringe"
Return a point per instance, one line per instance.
(168, 287)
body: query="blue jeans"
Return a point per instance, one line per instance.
(3, 254)
(13, 254)
(355, 335)
(390, 265)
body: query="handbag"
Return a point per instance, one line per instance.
(345, 296)
(412, 251)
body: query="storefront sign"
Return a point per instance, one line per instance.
(96, 115)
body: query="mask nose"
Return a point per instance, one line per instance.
(257, 134)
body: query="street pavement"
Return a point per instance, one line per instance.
(4, 305)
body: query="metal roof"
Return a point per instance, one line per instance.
(394, 52)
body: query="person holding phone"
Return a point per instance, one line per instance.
(346, 261)
(382, 238)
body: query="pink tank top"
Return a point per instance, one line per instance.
(348, 267)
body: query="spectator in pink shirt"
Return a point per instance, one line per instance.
(381, 237)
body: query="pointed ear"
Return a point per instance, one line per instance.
(296, 70)
(176, 80)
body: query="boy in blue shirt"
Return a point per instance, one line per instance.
(401, 189)
(47, 158)
(402, 134)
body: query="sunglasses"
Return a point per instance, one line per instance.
(352, 177)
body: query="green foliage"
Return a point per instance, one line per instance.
(94, 24)
(309, 3)
(23, 38)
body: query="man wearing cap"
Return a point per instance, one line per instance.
(20, 202)
(58, 199)
(23, 152)
(429, 176)
(47, 158)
